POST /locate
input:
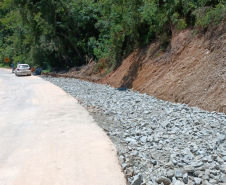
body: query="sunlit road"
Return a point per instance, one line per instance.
(47, 138)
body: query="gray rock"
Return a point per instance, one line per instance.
(189, 169)
(196, 164)
(185, 178)
(205, 182)
(124, 165)
(129, 172)
(197, 181)
(131, 140)
(205, 177)
(224, 158)
(223, 178)
(143, 139)
(220, 160)
(214, 172)
(169, 164)
(174, 161)
(223, 169)
(170, 174)
(177, 182)
(165, 123)
(213, 181)
(221, 138)
(163, 180)
(198, 173)
(179, 172)
(138, 179)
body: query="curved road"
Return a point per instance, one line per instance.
(47, 138)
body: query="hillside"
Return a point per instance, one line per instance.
(191, 70)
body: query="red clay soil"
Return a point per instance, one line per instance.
(192, 71)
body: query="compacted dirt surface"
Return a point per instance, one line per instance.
(47, 138)
(191, 70)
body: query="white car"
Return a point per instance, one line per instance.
(23, 69)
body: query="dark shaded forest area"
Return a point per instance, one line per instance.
(68, 33)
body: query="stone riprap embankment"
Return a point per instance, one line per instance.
(158, 142)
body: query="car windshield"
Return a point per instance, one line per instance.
(23, 66)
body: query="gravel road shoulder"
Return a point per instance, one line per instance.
(158, 142)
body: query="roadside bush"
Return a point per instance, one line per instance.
(208, 16)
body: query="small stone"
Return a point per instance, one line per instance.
(190, 182)
(165, 123)
(143, 139)
(131, 140)
(189, 169)
(169, 164)
(214, 172)
(223, 169)
(174, 161)
(213, 181)
(154, 162)
(197, 181)
(223, 178)
(159, 147)
(197, 164)
(214, 156)
(170, 173)
(185, 178)
(207, 172)
(122, 159)
(163, 180)
(138, 179)
(129, 172)
(177, 182)
(205, 182)
(179, 172)
(220, 160)
(149, 183)
(124, 165)
(220, 139)
(198, 173)
(224, 158)
(205, 177)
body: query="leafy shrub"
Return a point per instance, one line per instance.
(208, 16)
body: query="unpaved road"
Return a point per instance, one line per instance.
(47, 138)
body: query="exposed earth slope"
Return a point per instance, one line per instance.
(191, 71)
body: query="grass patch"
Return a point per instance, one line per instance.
(4, 66)
(46, 71)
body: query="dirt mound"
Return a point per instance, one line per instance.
(191, 71)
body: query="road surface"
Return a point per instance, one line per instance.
(47, 138)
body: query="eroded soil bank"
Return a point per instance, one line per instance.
(191, 71)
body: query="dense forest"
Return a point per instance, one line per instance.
(67, 33)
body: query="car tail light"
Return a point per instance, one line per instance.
(29, 69)
(18, 69)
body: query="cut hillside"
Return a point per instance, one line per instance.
(192, 70)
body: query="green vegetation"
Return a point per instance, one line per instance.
(67, 33)
(3, 65)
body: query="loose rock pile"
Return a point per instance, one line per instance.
(158, 142)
